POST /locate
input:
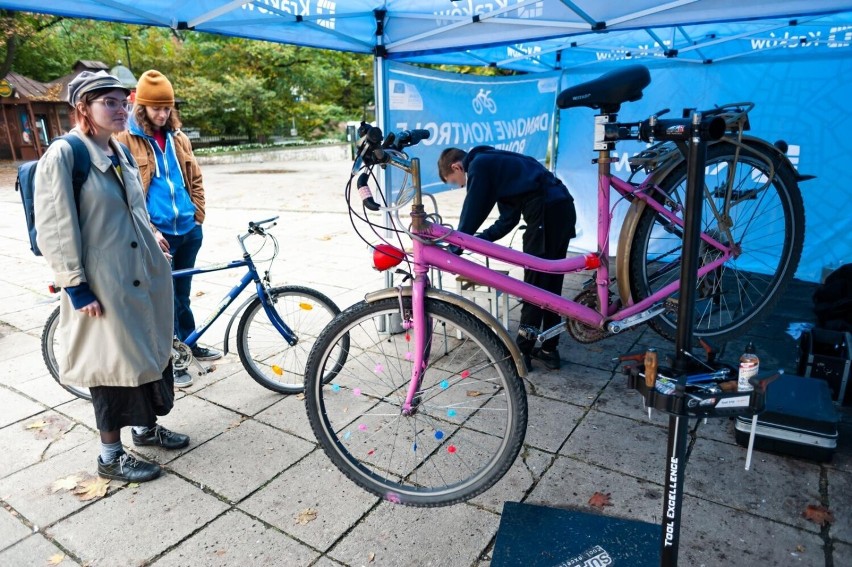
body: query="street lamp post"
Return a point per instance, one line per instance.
(126, 39)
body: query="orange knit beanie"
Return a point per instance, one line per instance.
(154, 89)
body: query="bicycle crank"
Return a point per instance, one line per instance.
(181, 355)
(633, 320)
(581, 332)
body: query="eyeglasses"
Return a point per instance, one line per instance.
(113, 104)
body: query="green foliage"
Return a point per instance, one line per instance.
(228, 86)
(254, 147)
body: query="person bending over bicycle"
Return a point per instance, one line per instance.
(521, 187)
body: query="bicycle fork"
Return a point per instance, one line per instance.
(421, 327)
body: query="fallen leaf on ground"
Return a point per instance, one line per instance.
(473, 394)
(300, 397)
(800, 548)
(51, 427)
(371, 557)
(306, 515)
(67, 483)
(92, 488)
(818, 514)
(132, 485)
(56, 559)
(599, 500)
(199, 293)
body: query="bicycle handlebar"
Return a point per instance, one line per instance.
(376, 149)
(256, 227)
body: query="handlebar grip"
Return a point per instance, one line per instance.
(374, 135)
(366, 194)
(418, 136)
(411, 138)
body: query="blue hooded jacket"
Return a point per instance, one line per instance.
(169, 204)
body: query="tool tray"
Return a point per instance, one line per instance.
(693, 401)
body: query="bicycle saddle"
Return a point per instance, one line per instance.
(608, 91)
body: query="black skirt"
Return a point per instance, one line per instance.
(120, 406)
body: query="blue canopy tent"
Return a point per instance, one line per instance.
(701, 52)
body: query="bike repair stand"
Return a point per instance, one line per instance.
(682, 404)
(679, 424)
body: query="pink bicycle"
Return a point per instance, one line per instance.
(430, 408)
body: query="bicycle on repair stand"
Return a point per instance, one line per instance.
(275, 333)
(429, 408)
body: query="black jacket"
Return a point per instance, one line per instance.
(519, 185)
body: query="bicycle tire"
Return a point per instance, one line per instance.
(264, 353)
(49, 344)
(469, 424)
(744, 290)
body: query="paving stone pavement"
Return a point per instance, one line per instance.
(235, 495)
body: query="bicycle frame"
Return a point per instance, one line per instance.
(251, 275)
(426, 255)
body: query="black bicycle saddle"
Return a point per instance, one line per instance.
(608, 91)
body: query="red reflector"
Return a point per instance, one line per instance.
(52, 288)
(386, 256)
(592, 262)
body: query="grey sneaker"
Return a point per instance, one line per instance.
(183, 379)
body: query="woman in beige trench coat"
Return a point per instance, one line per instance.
(116, 308)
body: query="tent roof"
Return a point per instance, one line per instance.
(523, 34)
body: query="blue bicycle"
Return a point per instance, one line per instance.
(276, 331)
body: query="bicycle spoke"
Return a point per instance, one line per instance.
(462, 425)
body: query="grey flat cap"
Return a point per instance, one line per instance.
(87, 82)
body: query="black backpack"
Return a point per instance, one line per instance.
(833, 300)
(25, 183)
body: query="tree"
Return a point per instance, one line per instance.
(227, 85)
(18, 28)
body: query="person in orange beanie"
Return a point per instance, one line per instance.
(174, 191)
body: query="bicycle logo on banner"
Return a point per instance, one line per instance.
(483, 101)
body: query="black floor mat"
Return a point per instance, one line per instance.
(538, 536)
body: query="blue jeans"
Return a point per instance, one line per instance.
(184, 249)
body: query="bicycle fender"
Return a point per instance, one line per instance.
(625, 240)
(233, 318)
(469, 306)
(672, 160)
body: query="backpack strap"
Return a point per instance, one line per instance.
(82, 165)
(127, 154)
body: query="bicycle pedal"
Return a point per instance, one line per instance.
(528, 332)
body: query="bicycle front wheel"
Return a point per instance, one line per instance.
(51, 347)
(765, 225)
(266, 356)
(470, 410)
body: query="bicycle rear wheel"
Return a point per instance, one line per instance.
(767, 224)
(51, 348)
(266, 356)
(470, 411)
